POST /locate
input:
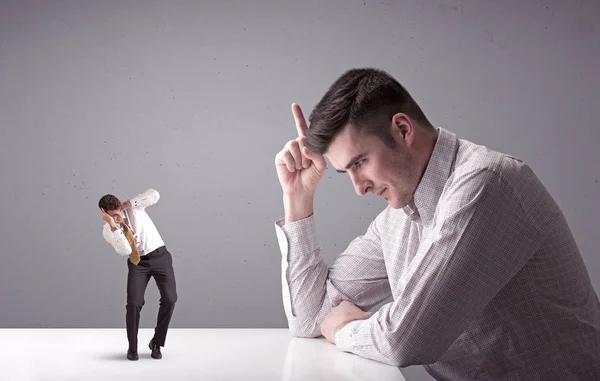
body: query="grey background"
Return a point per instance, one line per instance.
(193, 99)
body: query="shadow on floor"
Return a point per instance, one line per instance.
(122, 356)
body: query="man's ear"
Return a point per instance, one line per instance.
(402, 128)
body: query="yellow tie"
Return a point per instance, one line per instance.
(134, 257)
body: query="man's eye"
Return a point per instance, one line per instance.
(359, 163)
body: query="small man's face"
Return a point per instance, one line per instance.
(116, 214)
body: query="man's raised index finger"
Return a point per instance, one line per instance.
(301, 126)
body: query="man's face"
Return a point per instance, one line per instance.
(116, 214)
(391, 173)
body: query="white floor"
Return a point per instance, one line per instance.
(189, 354)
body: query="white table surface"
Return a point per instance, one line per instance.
(190, 354)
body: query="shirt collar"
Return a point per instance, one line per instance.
(434, 179)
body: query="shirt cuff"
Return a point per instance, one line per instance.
(344, 338)
(298, 237)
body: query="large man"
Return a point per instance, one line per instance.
(132, 233)
(486, 279)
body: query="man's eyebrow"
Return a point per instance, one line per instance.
(352, 161)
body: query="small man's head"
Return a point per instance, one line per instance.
(112, 206)
(369, 126)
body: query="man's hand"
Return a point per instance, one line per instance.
(299, 172)
(108, 218)
(339, 316)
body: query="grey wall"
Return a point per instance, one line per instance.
(193, 99)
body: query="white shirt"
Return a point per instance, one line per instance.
(145, 233)
(486, 278)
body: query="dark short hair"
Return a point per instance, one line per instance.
(366, 98)
(109, 202)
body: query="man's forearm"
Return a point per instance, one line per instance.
(145, 199)
(305, 277)
(117, 240)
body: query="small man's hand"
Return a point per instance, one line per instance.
(108, 218)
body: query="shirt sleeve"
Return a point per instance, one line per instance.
(480, 238)
(145, 199)
(310, 289)
(117, 240)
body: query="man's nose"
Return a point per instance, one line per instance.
(361, 186)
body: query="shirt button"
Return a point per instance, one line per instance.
(295, 240)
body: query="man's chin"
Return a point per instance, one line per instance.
(397, 204)
(394, 204)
